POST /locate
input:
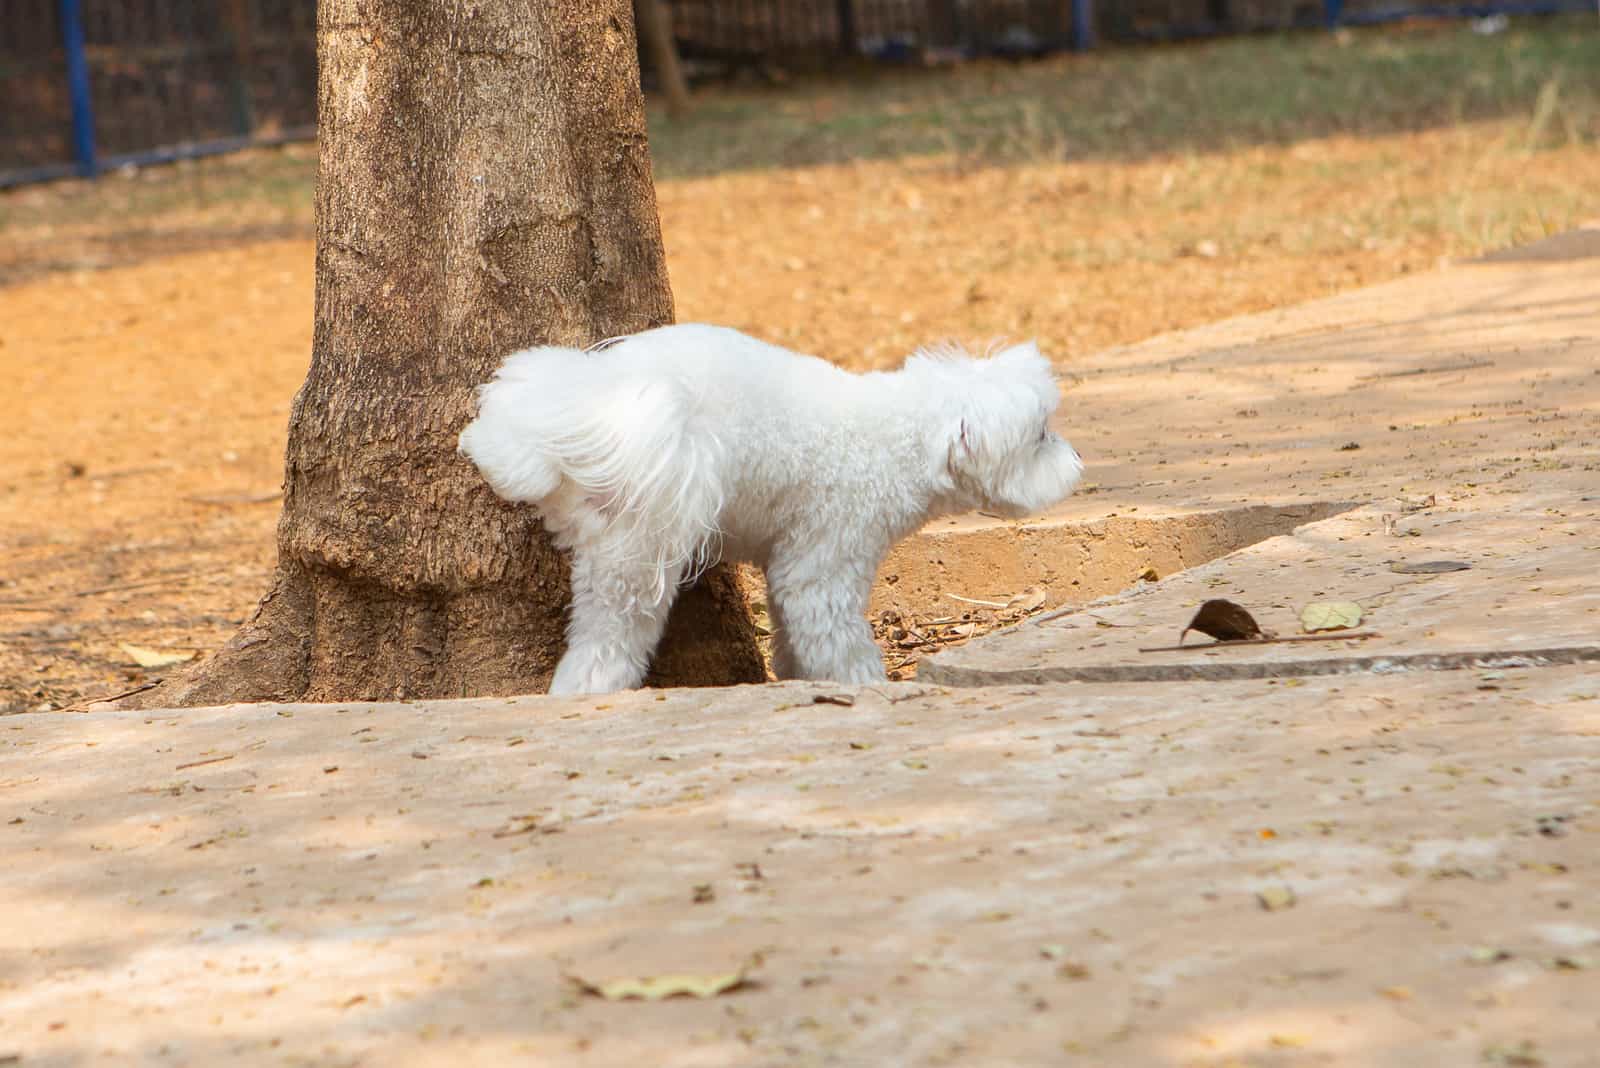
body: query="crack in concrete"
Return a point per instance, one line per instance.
(954, 675)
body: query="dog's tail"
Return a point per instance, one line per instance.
(630, 445)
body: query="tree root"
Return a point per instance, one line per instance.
(317, 636)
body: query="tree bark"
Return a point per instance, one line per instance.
(655, 29)
(483, 185)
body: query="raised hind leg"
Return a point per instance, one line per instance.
(620, 601)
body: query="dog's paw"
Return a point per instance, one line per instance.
(851, 668)
(864, 671)
(591, 671)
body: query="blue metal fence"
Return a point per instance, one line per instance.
(789, 31)
(87, 85)
(91, 84)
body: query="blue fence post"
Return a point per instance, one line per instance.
(1082, 25)
(78, 87)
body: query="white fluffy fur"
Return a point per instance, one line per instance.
(657, 454)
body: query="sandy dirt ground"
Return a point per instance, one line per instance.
(1375, 869)
(146, 418)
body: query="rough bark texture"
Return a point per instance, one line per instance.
(484, 185)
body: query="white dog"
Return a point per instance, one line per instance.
(653, 456)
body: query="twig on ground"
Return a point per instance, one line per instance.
(141, 584)
(974, 600)
(1426, 370)
(83, 706)
(235, 498)
(119, 587)
(199, 763)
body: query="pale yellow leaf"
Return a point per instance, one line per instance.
(1276, 898)
(154, 658)
(1330, 615)
(1029, 600)
(657, 987)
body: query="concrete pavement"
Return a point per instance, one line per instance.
(987, 866)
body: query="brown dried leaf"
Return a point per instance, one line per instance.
(1224, 621)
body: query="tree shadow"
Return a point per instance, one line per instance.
(337, 882)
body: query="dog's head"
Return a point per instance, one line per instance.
(1001, 454)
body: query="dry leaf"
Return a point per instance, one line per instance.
(154, 658)
(1569, 964)
(1276, 898)
(657, 987)
(1330, 615)
(1224, 621)
(1029, 600)
(1522, 1055)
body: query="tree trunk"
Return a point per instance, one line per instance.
(483, 185)
(655, 29)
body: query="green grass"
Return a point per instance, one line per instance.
(1132, 103)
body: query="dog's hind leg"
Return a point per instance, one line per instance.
(819, 608)
(784, 663)
(619, 610)
(641, 514)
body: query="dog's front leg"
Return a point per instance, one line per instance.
(819, 608)
(619, 610)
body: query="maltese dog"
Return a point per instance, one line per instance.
(651, 457)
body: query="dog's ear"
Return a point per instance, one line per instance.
(959, 443)
(968, 445)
